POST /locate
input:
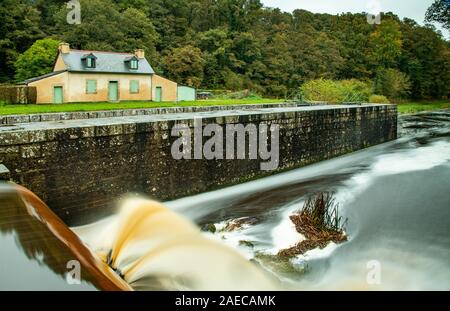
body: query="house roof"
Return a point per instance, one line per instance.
(107, 62)
(51, 74)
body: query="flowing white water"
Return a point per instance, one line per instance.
(396, 199)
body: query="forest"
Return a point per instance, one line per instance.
(236, 44)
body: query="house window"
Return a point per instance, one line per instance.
(134, 64)
(90, 62)
(134, 86)
(91, 86)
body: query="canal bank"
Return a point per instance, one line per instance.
(81, 167)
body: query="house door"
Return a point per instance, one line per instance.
(58, 97)
(158, 94)
(113, 91)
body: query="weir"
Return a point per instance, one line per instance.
(81, 167)
(41, 247)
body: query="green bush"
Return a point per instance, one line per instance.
(354, 90)
(335, 92)
(378, 99)
(323, 90)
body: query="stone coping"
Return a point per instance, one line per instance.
(79, 115)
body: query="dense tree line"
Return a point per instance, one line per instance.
(239, 44)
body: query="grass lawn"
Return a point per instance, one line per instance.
(5, 109)
(29, 109)
(422, 106)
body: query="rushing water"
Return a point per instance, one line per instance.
(396, 198)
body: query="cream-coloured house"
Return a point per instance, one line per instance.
(96, 76)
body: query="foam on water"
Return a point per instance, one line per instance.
(284, 235)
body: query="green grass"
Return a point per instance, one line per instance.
(405, 108)
(415, 107)
(30, 109)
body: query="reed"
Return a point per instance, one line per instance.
(319, 222)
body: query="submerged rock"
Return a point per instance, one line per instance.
(246, 243)
(279, 265)
(236, 224)
(209, 228)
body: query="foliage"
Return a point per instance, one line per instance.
(322, 90)
(18, 95)
(238, 44)
(355, 91)
(19, 29)
(439, 12)
(378, 99)
(185, 65)
(104, 27)
(37, 60)
(392, 83)
(386, 44)
(426, 62)
(332, 91)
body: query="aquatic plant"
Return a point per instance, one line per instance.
(319, 222)
(209, 228)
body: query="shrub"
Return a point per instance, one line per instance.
(334, 92)
(323, 90)
(233, 81)
(354, 90)
(378, 99)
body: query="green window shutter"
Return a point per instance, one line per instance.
(91, 86)
(134, 86)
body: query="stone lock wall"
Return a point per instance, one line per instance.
(81, 167)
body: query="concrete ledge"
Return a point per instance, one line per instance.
(5, 174)
(79, 115)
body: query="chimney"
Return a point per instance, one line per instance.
(64, 48)
(139, 53)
